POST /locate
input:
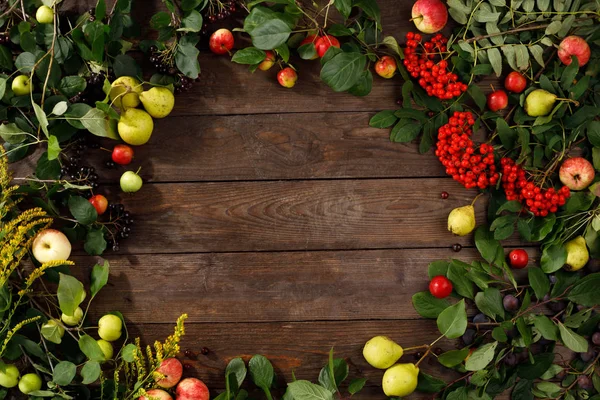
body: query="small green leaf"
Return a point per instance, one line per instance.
(90, 348)
(481, 357)
(90, 372)
(64, 372)
(305, 390)
(99, 277)
(428, 306)
(70, 293)
(553, 258)
(249, 56)
(82, 210)
(572, 340)
(539, 282)
(452, 358)
(261, 371)
(383, 119)
(356, 385)
(452, 322)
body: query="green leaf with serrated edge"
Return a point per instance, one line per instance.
(452, 322)
(356, 385)
(553, 258)
(305, 390)
(99, 277)
(340, 373)
(452, 358)
(90, 348)
(70, 293)
(90, 372)
(64, 372)
(481, 357)
(572, 340)
(428, 306)
(585, 291)
(538, 281)
(489, 302)
(383, 119)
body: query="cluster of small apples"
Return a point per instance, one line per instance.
(168, 377)
(10, 376)
(399, 380)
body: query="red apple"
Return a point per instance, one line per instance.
(268, 62)
(576, 173)
(171, 370)
(221, 41)
(310, 39)
(323, 44)
(515, 82)
(100, 203)
(429, 16)
(497, 100)
(192, 389)
(156, 393)
(574, 46)
(386, 67)
(287, 77)
(122, 154)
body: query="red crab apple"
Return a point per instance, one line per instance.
(268, 62)
(386, 67)
(497, 100)
(287, 77)
(156, 394)
(221, 41)
(323, 44)
(310, 39)
(100, 203)
(576, 173)
(515, 82)
(171, 369)
(51, 245)
(429, 16)
(574, 46)
(122, 154)
(192, 389)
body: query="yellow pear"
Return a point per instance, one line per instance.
(400, 380)
(461, 220)
(382, 352)
(135, 126)
(125, 92)
(539, 103)
(158, 101)
(577, 254)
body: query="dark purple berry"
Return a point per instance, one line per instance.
(456, 247)
(588, 355)
(469, 337)
(584, 382)
(511, 303)
(596, 338)
(510, 360)
(480, 319)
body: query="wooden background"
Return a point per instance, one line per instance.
(281, 223)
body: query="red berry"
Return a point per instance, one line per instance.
(518, 258)
(515, 82)
(100, 203)
(497, 100)
(122, 154)
(440, 287)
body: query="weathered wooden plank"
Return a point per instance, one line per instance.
(295, 215)
(262, 287)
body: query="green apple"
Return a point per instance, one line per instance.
(130, 182)
(109, 327)
(44, 15)
(74, 319)
(9, 376)
(107, 348)
(21, 85)
(30, 383)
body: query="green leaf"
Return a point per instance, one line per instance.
(452, 322)
(98, 123)
(371, 8)
(125, 65)
(428, 306)
(489, 302)
(383, 119)
(70, 294)
(82, 210)
(495, 59)
(569, 73)
(60, 108)
(47, 169)
(6, 58)
(344, 7)
(237, 367)
(524, 331)
(95, 244)
(572, 340)
(486, 244)
(90, 372)
(128, 352)
(457, 273)
(539, 282)
(249, 55)
(356, 385)
(271, 34)
(64, 372)
(541, 363)
(522, 390)
(99, 277)
(11, 133)
(187, 5)
(186, 60)
(429, 384)
(553, 258)
(364, 85)
(507, 135)
(305, 390)
(191, 22)
(452, 358)
(72, 85)
(499, 334)
(307, 51)
(53, 332)
(343, 71)
(42, 119)
(90, 348)
(340, 373)
(261, 371)
(578, 319)
(25, 62)
(477, 95)
(53, 148)
(585, 291)
(481, 357)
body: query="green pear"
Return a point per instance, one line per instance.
(125, 92)
(382, 352)
(577, 254)
(461, 220)
(400, 380)
(135, 126)
(158, 101)
(539, 103)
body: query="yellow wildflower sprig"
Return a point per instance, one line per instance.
(13, 331)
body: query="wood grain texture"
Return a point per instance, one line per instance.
(295, 215)
(263, 287)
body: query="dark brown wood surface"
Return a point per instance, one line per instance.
(280, 222)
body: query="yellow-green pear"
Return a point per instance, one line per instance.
(382, 352)
(400, 380)
(539, 103)
(577, 254)
(107, 348)
(74, 319)
(135, 126)
(461, 220)
(125, 92)
(158, 101)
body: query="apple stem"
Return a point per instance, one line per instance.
(138, 171)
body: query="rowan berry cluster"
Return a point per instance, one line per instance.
(425, 62)
(540, 202)
(472, 167)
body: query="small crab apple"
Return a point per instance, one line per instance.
(268, 62)
(99, 202)
(497, 100)
(574, 46)
(386, 67)
(192, 389)
(518, 258)
(156, 394)
(515, 82)
(168, 374)
(429, 16)
(221, 41)
(440, 287)
(287, 77)
(323, 44)
(310, 39)
(576, 173)
(122, 154)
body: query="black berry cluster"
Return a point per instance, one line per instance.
(120, 223)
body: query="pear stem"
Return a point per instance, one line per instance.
(476, 198)
(424, 356)
(416, 347)
(568, 101)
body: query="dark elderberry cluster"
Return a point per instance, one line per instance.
(93, 91)
(4, 39)
(162, 64)
(74, 171)
(122, 221)
(216, 12)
